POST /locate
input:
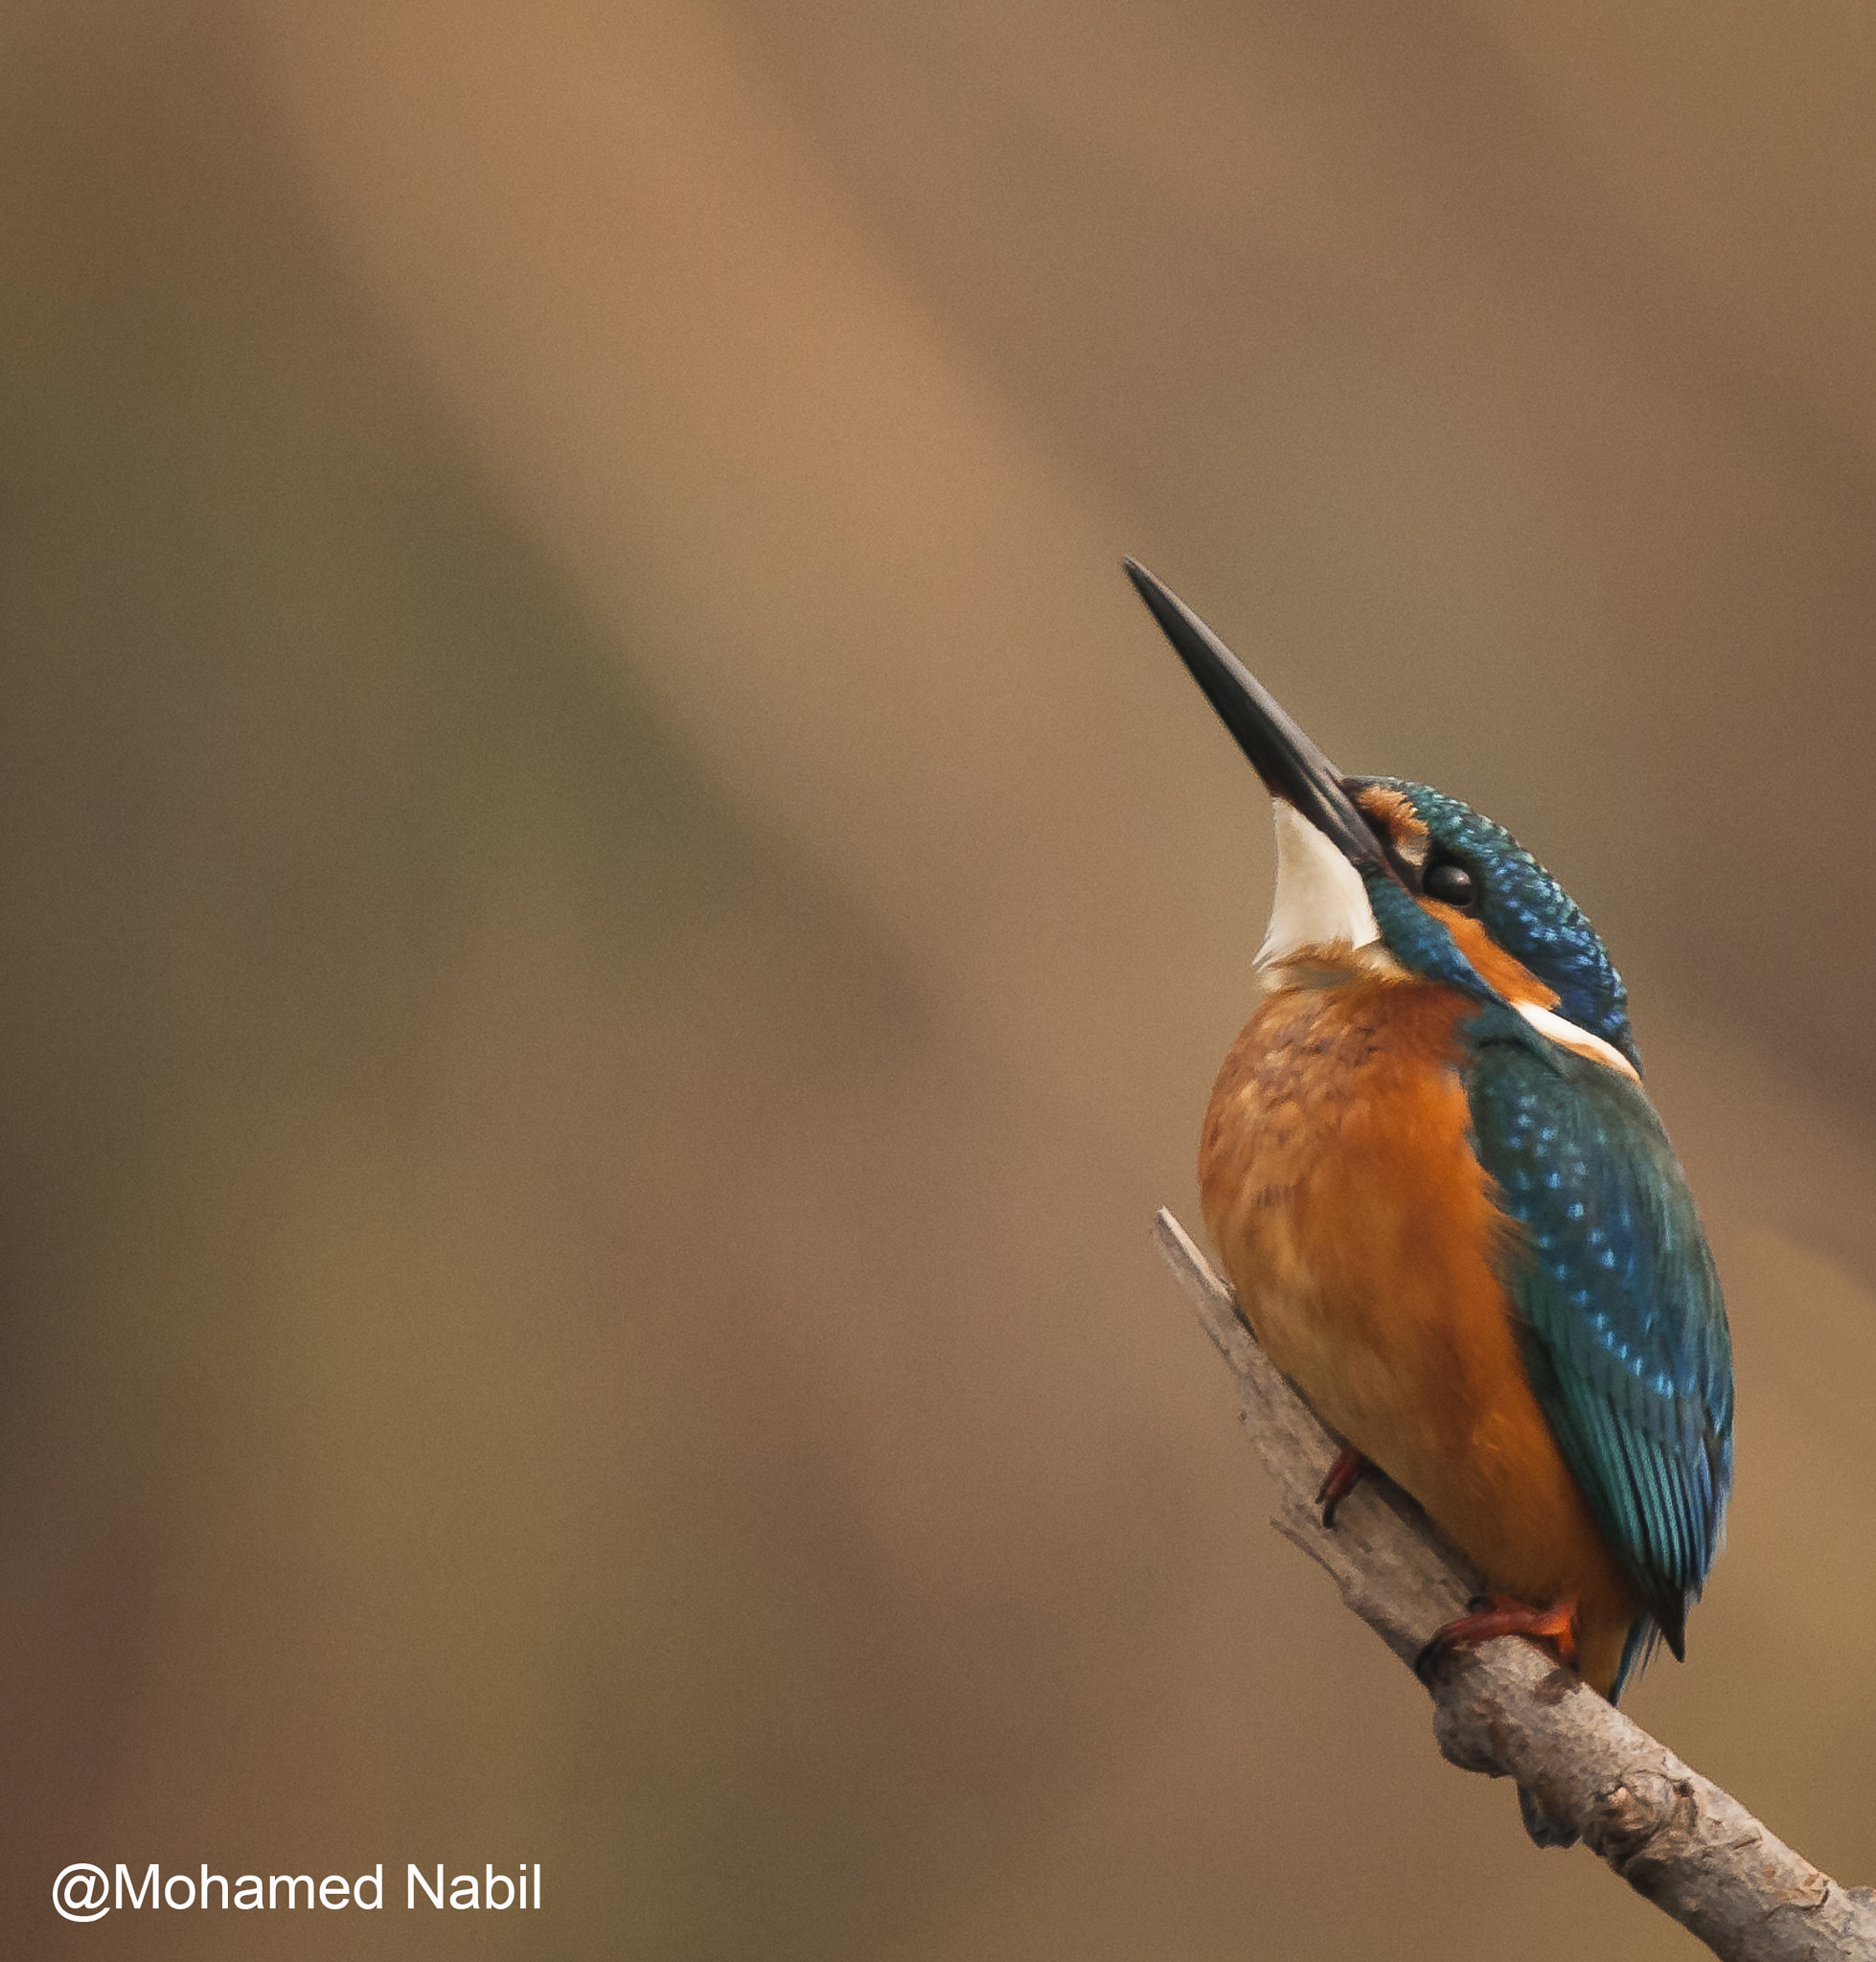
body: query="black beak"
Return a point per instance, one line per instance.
(1292, 767)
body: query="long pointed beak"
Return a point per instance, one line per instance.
(1292, 767)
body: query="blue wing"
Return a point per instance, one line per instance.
(1620, 1317)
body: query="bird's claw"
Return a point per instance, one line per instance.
(1488, 1616)
(1343, 1476)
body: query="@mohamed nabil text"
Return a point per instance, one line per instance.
(84, 1892)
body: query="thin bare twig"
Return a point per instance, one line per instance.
(1509, 1711)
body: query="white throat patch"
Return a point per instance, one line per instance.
(1321, 900)
(1321, 903)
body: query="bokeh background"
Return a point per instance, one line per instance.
(612, 921)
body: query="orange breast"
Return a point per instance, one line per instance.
(1357, 1226)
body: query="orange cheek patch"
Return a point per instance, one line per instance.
(1498, 969)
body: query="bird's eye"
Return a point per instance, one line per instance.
(1449, 883)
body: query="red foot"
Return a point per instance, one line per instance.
(1496, 1615)
(1344, 1476)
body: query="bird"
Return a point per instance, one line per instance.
(1452, 1215)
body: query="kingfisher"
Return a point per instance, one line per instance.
(1450, 1214)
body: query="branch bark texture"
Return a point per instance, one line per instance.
(1509, 1711)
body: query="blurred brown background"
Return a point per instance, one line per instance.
(614, 920)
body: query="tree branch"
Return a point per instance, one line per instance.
(1510, 1711)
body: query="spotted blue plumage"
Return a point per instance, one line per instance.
(1618, 1311)
(1620, 1317)
(1526, 912)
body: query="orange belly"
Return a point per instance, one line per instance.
(1353, 1218)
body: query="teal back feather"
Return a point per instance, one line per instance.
(1620, 1317)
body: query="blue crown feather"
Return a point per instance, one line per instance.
(1526, 912)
